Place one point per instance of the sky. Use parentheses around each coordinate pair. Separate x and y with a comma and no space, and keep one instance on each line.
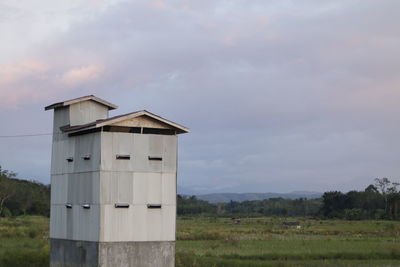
(279,95)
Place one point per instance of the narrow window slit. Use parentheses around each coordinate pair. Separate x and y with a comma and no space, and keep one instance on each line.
(68,206)
(121,129)
(154,206)
(70,159)
(86,206)
(127,157)
(86,157)
(155,158)
(121,205)
(158,131)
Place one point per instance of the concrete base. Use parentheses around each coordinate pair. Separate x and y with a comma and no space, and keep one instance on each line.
(69,253)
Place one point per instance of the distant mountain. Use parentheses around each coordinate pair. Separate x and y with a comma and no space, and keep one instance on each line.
(187,191)
(227,197)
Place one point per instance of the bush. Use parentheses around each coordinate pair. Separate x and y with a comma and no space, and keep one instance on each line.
(353,214)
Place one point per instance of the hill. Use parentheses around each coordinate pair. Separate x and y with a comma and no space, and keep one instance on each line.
(239,197)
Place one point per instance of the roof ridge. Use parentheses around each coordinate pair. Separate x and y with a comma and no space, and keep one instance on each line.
(103,122)
(81,99)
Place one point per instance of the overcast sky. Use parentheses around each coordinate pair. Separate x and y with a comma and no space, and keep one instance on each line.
(279,95)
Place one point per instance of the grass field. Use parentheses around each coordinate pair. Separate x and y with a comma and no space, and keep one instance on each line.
(253,242)
(24,241)
(267,242)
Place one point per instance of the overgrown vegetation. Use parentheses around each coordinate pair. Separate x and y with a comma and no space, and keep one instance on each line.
(21,197)
(24,241)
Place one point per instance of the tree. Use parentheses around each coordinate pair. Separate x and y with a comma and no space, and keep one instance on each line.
(7,187)
(390,194)
(383,186)
(334,203)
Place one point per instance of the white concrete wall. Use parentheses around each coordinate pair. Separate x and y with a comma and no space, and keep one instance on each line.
(75,183)
(61,150)
(76,147)
(60,118)
(58,220)
(76,223)
(138,182)
(87,111)
(83,188)
(137,223)
(104,181)
(139,147)
(116,187)
(86,223)
(113,144)
(59,189)
(87,144)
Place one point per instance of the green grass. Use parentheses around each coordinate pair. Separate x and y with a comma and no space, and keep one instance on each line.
(254,242)
(24,241)
(266,242)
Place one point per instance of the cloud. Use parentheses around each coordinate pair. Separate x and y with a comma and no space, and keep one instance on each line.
(34,81)
(16,80)
(280,95)
(158,4)
(81,75)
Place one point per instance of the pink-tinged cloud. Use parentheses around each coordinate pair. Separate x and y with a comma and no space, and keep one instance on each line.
(17,81)
(78,76)
(36,80)
(158,4)
(14,72)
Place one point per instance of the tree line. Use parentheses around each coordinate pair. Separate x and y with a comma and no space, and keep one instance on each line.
(255,208)
(378,201)
(22,197)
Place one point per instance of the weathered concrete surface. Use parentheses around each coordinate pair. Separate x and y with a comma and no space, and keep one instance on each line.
(143,254)
(68,253)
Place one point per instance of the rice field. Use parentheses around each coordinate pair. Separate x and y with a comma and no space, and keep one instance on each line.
(269,242)
(224,242)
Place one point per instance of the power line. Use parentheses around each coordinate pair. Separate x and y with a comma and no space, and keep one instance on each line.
(24,135)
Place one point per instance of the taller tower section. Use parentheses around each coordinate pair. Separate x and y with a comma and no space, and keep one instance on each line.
(113,186)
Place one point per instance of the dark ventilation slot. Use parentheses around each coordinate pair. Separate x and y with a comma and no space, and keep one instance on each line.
(86,157)
(121,205)
(126,157)
(70,159)
(121,129)
(68,206)
(155,158)
(154,206)
(158,131)
(86,206)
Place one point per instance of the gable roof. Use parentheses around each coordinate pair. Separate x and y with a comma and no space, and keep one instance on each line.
(120,118)
(81,99)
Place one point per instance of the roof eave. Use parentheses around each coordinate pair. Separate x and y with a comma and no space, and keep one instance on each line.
(180,128)
(79,130)
(81,99)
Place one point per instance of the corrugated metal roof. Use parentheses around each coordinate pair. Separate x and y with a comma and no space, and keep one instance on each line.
(123,117)
(81,99)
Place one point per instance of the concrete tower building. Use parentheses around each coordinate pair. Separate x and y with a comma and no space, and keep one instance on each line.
(113,186)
